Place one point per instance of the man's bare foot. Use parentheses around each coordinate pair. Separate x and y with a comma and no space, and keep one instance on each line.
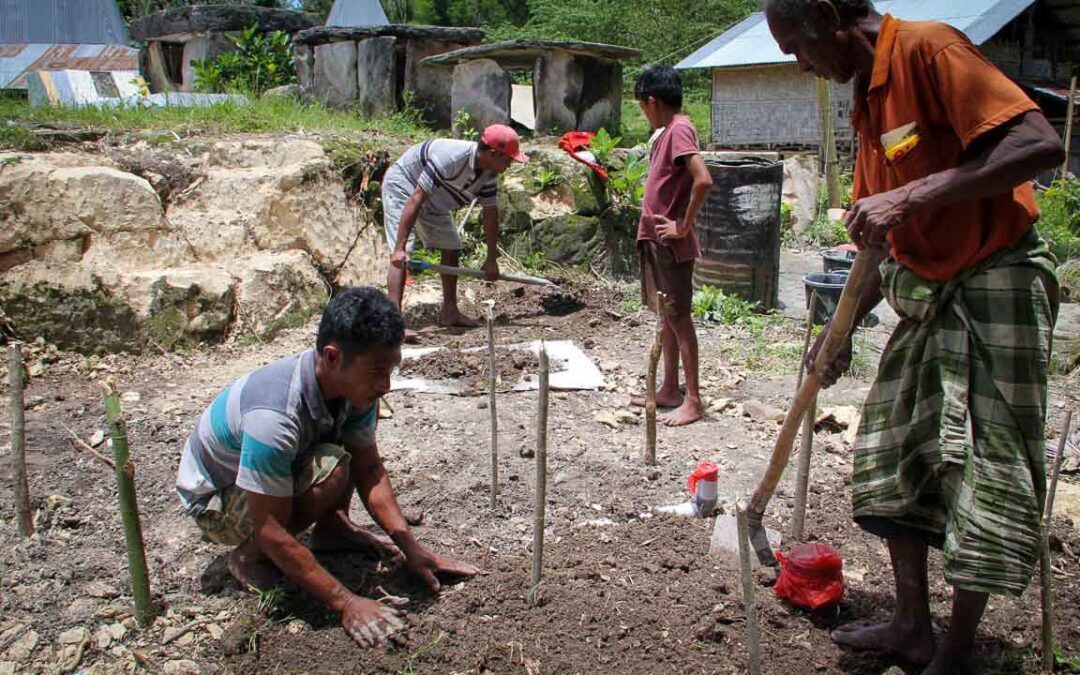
(453,318)
(947,663)
(664,399)
(332,536)
(250,567)
(689,412)
(411,337)
(911,645)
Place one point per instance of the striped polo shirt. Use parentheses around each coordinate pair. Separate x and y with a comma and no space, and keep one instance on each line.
(257,431)
(445,169)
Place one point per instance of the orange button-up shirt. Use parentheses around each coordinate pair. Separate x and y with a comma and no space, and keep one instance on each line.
(931,75)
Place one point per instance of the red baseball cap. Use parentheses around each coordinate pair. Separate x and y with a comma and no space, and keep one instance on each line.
(503,139)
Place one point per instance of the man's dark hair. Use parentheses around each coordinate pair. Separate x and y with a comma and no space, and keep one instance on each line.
(662,83)
(358,319)
(797,11)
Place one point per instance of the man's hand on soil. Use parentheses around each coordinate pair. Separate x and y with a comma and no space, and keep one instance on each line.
(666,228)
(399,258)
(369,622)
(427,564)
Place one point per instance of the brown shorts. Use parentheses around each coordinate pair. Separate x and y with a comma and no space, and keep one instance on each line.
(661,272)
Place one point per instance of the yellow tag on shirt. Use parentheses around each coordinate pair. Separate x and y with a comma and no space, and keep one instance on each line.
(900,141)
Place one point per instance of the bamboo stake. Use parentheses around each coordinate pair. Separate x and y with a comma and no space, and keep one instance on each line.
(1045,575)
(492,373)
(129,506)
(541,469)
(650,381)
(1068,127)
(752,638)
(828,142)
(806,446)
(18,442)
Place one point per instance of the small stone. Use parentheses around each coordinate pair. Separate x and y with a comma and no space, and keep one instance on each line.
(101,589)
(74,636)
(106,635)
(414,517)
(22,648)
(81,609)
(527,451)
(482,405)
(607,418)
(34,401)
(181,667)
(185,639)
(609,366)
(35,369)
(7,667)
(653,474)
(759,412)
(766,576)
(173,633)
(97,438)
(296,626)
(215,630)
(719,405)
(131,397)
(626,417)
(54,502)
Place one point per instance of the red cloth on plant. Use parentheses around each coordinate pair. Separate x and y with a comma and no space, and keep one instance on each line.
(575,144)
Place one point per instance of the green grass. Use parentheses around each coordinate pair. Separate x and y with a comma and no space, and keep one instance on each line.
(259,115)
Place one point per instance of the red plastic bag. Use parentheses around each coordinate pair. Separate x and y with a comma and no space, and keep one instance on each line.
(811,576)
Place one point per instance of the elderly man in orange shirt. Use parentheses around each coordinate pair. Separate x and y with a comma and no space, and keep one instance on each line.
(950,446)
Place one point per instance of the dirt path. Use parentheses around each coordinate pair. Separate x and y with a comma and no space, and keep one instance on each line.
(620,592)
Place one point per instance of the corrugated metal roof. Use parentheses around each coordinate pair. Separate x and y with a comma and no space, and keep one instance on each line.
(750,43)
(18,60)
(357,13)
(61,22)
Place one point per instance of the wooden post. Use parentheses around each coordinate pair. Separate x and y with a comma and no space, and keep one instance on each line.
(806,446)
(745,572)
(1068,126)
(541,469)
(828,144)
(1045,573)
(129,506)
(650,381)
(18,442)
(492,374)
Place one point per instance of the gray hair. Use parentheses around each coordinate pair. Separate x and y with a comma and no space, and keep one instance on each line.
(795,11)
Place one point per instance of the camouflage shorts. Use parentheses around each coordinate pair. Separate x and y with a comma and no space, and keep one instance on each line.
(226,520)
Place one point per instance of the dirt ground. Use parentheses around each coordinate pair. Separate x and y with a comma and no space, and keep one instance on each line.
(621,592)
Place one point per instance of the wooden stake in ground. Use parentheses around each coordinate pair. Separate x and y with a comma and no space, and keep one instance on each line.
(1068,127)
(650,381)
(541,469)
(18,442)
(492,374)
(828,143)
(806,446)
(129,506)
(746,573)
(1045,573)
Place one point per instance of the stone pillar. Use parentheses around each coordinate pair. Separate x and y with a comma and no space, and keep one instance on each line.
(201,47)
(430,86)
(303,59)
(334,74)
(376,73)
(155,69)
(557,84)
(482,89)
(601,95)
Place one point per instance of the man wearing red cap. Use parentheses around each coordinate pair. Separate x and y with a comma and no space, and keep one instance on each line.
(425,185)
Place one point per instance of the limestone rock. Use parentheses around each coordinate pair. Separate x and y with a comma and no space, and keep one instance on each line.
(376,73)
(482,89)
(101,589)
(607,418)
(284,91)
(205,18)
(181,667)
(181,305)
(278,290)
(23,647)
(760,412)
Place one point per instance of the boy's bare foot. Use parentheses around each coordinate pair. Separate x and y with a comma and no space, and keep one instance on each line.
(451,318)
(911,645)
(689,412)
(251,568)
(333,536)
(664,399)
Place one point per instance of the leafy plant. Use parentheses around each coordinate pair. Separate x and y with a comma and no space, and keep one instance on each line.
(463,122)
(1065,663)
(260,61)
(713,304)
(602,144)
(534,262)
(1060,220)
(627,185)
(547,177)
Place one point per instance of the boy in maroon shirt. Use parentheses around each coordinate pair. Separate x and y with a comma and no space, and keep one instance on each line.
(676,188)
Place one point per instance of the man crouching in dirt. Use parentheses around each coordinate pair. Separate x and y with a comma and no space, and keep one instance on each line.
(950,446)
(283,447)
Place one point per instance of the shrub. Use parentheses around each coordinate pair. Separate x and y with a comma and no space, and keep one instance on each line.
(1060,219)
(261,61)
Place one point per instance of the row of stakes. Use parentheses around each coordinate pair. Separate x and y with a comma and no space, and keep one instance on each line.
(124,470)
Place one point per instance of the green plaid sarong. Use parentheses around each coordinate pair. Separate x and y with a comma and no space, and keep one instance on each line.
(950,444)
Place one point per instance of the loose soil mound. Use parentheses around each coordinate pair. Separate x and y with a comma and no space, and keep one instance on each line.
(472,367)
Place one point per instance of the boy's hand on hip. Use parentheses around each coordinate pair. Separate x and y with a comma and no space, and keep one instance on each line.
(666,228)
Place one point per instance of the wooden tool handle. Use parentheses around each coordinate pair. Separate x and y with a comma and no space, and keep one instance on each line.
(841,326)
(481,274)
